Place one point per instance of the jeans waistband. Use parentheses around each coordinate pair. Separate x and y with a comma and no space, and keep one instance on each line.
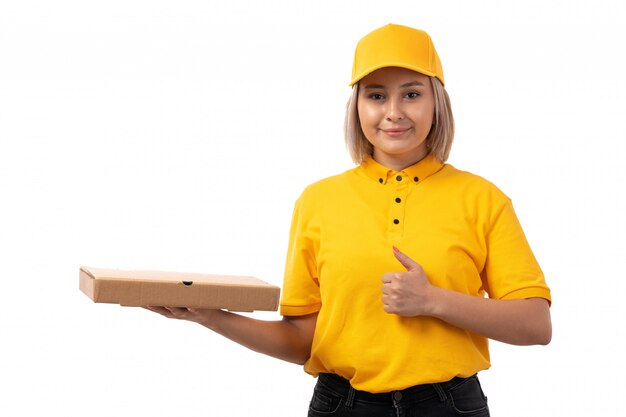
(415,393)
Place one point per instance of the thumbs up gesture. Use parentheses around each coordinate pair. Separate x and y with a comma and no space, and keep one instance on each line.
(407,293)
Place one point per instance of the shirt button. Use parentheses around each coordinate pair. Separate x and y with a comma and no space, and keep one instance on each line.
(399,178)
(416,179)
(396,221)
(380,180)
(397,395)
(398,199)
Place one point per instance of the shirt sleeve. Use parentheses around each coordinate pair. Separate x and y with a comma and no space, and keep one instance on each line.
(301,291)
(511,270)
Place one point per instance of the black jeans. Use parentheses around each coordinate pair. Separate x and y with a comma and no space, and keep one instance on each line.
(333,396)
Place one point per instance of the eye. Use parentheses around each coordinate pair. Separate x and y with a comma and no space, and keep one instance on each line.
(413,94)
(376,96)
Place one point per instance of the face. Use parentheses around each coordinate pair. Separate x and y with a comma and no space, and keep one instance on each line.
(396,109)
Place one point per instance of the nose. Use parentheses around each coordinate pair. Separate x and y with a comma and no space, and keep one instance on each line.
(394,111)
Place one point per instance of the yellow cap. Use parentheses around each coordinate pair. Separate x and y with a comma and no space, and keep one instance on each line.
(396,46)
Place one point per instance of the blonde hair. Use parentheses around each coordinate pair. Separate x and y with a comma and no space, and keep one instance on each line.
(438,141)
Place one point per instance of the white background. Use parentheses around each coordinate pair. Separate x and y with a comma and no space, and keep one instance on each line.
(176,135)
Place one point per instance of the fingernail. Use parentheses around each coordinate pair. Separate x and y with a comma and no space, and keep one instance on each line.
(396,250)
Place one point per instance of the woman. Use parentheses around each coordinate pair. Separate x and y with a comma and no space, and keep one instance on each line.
(398,331)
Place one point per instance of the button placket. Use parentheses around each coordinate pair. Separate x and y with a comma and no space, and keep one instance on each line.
(400,190)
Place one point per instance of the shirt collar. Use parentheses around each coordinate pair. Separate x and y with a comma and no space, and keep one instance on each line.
(423,169)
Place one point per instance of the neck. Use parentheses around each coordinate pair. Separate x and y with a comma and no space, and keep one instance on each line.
(398,163)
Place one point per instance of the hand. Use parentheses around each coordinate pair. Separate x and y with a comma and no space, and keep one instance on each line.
(407,294)
(196,315)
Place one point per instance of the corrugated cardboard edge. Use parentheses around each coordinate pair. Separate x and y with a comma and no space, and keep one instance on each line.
(131,292)
(87,283)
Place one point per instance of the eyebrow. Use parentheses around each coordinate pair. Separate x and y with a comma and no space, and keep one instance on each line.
(409,84)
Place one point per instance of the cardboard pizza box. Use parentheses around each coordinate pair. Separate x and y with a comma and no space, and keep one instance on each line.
(178,289)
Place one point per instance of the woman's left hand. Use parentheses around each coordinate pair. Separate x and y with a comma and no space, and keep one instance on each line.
(408,293)
(516,321)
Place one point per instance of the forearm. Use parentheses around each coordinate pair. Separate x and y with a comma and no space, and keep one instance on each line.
(289,339)
(517,322)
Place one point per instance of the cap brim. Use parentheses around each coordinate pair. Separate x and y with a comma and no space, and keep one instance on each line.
(365,73)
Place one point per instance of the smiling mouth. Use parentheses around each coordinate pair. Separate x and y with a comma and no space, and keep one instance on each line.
(395,132)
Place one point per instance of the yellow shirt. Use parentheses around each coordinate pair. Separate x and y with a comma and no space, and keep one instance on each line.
(458,226)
